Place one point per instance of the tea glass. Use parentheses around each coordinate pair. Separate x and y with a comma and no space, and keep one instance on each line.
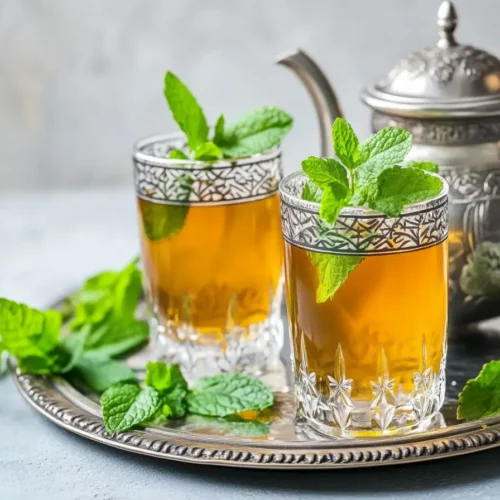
(370,360)
(212,256)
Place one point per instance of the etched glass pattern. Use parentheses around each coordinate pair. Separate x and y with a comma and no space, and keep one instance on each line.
(369,357)
(212,254)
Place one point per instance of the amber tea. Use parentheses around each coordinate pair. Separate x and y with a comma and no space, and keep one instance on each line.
(369,355)
(212,253)
(383,328)
(222,270)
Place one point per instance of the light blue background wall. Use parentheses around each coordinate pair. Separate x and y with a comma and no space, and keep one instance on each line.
(81,80)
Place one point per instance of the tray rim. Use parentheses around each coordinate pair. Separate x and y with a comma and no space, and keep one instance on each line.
(47,397)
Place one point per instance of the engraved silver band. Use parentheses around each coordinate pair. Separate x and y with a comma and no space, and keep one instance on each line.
(160,179)
(360,231)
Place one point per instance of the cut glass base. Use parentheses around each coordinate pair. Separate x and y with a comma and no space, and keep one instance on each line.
(327,404)
(253,349)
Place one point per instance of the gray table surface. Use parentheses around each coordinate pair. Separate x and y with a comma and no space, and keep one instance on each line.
(49,243)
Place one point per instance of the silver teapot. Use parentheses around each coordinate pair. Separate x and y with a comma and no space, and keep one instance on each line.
(448,97)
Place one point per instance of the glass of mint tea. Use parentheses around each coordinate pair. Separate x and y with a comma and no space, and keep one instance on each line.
(367,309)
(212,254)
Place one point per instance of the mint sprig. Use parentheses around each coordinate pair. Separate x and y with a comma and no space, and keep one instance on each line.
(480,397)
(126,405)
(333,271)
(223,395)
(253,133)
(367,174)
(167,391)
(103,327)
(186,111)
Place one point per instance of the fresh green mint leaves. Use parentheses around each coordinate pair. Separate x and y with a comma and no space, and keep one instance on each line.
(186,111)
(401,186)
(365,174)
(172,387)
(104,330)
(480,396)
(333,271)
(126,405)
(165,395)
(32,337)
(223,395)
(481,275)
(108,295)
(103,327)
(254,133)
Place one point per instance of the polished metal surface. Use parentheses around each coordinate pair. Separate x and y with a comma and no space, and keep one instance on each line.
(448,97)
(449,80)
(319,88)
(278,442)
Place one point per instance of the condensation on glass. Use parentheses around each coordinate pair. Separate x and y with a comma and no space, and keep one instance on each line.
(212,254)
(370,360)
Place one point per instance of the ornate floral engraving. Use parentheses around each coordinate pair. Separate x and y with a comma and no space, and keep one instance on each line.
(370,234)
(442,132)
(443,66)
(472,182)
(161,180)
(74,416)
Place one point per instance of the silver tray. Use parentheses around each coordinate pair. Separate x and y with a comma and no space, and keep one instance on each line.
(288,444)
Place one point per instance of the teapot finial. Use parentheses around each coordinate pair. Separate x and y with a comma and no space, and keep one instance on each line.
(447,22)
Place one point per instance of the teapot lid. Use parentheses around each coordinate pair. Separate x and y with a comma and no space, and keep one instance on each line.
(446,81)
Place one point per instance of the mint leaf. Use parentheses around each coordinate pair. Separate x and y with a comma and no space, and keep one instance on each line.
(74,346)
(380,151)
(325,171)
(333,271)
(207,151)
(108,294)
(387,147)
(255,132)
(481,275)
(28,332)
(172,386)
(127,405)
(424,165)
(400,186)
(164,221)
(219,131)
(115,338)
(162,376)
(311,192)
(346,143)
(178,154)
(99,372)
(186,111)
(335,197)
(227,394)
(175,401)
(480,398)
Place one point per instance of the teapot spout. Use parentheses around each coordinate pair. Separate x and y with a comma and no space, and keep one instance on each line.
(321,92)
